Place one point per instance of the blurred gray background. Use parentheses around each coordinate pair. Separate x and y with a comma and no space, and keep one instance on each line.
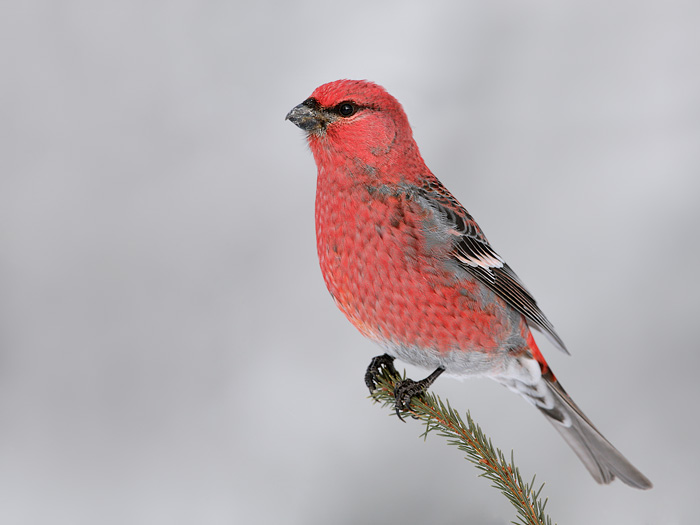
(168,351)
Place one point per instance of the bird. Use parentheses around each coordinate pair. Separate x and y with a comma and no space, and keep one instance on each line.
(412,270)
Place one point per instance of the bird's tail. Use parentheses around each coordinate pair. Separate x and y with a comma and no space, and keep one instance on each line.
(602,460)
(531,377)
(541,388)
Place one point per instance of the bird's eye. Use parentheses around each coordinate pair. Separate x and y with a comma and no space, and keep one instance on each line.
(346,109)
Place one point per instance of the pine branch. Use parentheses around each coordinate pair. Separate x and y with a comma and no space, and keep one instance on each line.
(440,417)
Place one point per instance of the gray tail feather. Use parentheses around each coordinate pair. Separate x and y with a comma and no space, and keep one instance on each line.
(602,460)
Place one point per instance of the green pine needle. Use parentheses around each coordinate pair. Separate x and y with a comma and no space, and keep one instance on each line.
(441,418)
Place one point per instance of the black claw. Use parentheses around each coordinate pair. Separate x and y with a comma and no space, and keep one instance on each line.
(375,367)
(407,389)
(404,391)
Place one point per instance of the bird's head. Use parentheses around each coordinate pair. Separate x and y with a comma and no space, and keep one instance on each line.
(354,119)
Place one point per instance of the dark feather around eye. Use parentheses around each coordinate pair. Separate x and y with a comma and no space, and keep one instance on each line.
(346,109)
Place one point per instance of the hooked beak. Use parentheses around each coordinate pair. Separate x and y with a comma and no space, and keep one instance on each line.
(308,116)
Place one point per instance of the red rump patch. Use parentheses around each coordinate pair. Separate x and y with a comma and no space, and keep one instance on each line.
(546,371)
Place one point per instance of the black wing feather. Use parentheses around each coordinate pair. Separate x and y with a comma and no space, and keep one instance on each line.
(474,253)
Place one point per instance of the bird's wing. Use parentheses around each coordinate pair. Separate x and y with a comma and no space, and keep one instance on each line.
(474,253)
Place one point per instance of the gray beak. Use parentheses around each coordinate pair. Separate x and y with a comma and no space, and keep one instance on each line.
(307,116)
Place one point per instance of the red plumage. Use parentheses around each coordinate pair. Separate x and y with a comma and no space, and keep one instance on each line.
(412,270)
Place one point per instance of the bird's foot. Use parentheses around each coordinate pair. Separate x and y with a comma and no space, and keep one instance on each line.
(408,388)
(375,367)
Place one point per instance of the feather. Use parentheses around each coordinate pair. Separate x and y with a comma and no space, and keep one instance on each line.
(473,252)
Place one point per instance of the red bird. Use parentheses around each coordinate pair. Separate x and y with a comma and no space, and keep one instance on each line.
(412,270)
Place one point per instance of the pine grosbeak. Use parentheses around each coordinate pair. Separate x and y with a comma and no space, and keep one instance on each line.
(412,270)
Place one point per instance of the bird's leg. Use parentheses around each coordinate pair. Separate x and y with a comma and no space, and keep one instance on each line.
(375,367)
(408,388)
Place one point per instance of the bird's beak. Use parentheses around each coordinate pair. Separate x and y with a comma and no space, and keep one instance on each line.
(308,116)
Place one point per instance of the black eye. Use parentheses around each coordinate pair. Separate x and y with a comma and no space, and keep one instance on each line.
(346,109)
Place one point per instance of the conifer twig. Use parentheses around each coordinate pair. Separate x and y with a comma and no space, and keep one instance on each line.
(440,417)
